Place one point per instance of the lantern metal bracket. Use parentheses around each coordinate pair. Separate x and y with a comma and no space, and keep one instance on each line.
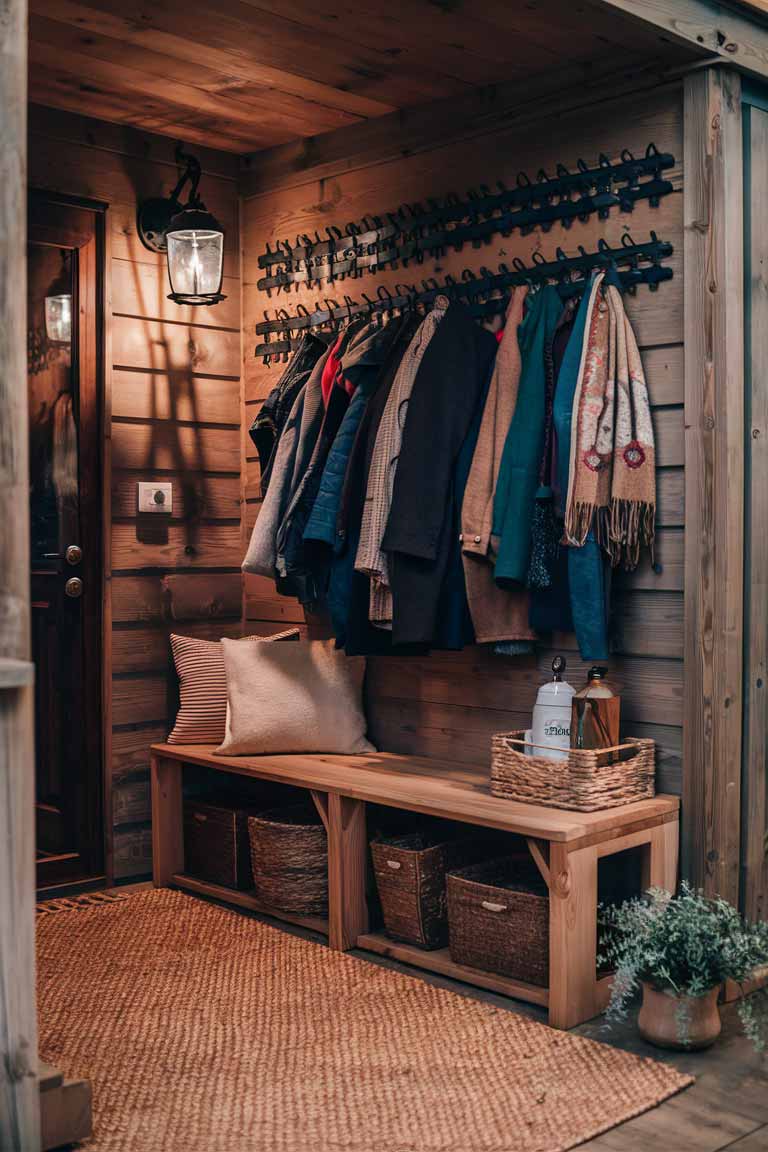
(154,215)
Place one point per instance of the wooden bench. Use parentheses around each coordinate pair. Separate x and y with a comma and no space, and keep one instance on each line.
(566,847)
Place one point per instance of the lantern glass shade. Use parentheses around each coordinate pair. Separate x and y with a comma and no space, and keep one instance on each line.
(195,262)
(58,318)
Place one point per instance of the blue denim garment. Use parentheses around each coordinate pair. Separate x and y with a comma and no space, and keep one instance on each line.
(587,582)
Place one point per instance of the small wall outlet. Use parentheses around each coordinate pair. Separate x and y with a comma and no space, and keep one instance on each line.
(156,498)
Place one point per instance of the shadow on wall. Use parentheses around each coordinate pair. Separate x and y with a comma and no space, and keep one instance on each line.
(172,361)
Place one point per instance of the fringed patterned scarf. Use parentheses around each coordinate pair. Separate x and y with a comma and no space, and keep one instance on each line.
(612,476)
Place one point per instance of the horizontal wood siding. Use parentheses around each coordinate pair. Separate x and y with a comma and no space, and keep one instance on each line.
(450,704)
(176,405)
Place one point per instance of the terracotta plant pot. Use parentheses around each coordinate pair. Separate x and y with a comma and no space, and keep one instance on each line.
(682,1022)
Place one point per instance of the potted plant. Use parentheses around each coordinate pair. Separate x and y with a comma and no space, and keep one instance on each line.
(679,950)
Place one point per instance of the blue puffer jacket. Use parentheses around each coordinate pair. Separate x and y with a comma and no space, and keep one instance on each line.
(321,525)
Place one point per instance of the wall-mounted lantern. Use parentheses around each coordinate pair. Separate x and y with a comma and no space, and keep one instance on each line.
(58,306)
(191,237)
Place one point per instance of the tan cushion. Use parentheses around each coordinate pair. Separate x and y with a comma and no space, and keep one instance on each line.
(293,698)
(203,687)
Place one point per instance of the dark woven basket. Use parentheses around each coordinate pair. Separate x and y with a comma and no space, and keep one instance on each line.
(289,857)
(410,878)
(498,919)
(216,841)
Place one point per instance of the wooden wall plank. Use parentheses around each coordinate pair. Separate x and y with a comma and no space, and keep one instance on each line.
(149,649)
(179,349)
(177,546)
(130,750)
(755,784)
(714,494)
(180,597)
(174,447)
(162,396)
(651,689)
(139,700)
(133,851)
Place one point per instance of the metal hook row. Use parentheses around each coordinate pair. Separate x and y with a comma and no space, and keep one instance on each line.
(415,231)
(483,292)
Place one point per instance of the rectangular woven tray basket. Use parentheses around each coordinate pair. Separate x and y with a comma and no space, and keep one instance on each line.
(590,779)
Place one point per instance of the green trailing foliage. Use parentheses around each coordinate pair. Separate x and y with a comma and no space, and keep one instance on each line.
(684,945)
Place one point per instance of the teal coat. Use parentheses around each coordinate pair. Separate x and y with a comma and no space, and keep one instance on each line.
(519,471)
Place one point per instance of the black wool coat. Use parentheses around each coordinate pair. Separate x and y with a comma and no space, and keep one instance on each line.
(421,526)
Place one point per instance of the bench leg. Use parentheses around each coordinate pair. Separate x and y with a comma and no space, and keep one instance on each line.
(167,821)
(573,992)
(660,857)
(347,868)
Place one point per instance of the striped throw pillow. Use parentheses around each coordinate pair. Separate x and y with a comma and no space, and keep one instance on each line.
(202,717)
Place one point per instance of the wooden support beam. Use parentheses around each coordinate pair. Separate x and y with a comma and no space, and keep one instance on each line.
(167,821)
(573,993)
(714,480)
(755,781)
(19,1095)
(735,37)
(347,871)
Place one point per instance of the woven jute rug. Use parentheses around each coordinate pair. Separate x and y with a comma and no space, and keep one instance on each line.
(203,1030)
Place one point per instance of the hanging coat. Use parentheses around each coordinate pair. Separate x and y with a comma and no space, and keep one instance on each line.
(497,613)
(292,455)
(266,429)
(422,517)
(348,590)
(518,475)
(587,577)
(362,367)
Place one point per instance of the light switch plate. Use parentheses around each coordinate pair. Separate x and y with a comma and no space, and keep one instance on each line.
(156,498)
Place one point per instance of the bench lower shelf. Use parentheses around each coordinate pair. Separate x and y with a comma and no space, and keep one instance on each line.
(439,960)
(246,900)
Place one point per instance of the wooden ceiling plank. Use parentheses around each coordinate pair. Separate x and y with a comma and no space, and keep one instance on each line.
(301,116)
(736,38)
(110,19)
(456,43)
(71,94)
(234,26)
(111,75)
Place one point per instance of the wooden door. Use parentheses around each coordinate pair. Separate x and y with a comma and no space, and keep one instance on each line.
(64,325)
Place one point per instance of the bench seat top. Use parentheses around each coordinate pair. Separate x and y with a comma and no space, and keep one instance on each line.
(435,787)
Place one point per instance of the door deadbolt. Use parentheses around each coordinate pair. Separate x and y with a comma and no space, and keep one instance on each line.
(74,587)
(73,554)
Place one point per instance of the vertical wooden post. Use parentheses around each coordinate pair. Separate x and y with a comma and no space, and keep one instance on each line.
(347,865)
(19,1095)
(660,857)
(714,480)
(755,776)
(167,821)
(573,995)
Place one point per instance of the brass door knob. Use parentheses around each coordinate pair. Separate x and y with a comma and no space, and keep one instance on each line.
(74,587)
(73,554)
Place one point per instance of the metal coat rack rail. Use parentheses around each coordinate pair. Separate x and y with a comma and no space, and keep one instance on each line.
(484,292)
(416,232)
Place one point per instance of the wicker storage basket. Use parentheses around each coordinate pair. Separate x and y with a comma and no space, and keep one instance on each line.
(216,842)
(289,857)
(410,878)
(498,919)
(590,779)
